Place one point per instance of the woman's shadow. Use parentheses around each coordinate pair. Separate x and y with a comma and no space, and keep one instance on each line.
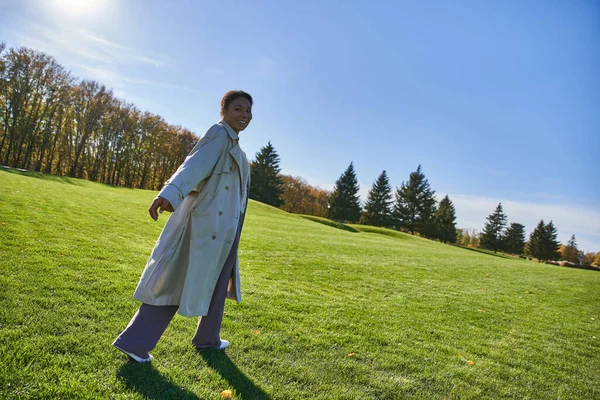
(150,383)
(219,361)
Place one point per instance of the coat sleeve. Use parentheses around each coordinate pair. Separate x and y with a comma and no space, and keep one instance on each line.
(196,167)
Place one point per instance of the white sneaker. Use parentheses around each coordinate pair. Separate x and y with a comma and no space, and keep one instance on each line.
(134,357)
(222,345)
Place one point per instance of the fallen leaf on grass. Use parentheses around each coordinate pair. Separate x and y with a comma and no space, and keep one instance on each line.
(351,355)
(593,319)
(526,292)
(471,362)
(256,332)
(227,394)
(481,310)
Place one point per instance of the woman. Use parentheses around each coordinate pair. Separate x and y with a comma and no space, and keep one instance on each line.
(194,265)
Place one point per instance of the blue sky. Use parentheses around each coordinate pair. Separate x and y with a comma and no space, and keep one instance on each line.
(498,101)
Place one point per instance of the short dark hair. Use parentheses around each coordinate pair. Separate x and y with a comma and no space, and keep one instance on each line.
(231,96)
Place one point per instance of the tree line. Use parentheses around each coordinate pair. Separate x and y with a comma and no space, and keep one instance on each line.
(496,236)
(412,208)
(52,122)
(541,245)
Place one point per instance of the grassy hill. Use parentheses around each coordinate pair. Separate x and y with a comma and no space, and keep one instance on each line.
(326,313)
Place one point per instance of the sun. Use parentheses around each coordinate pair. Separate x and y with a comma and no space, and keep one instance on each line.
(80,7)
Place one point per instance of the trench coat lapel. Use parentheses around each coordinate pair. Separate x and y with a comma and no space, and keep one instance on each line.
(235,151)
(237,156)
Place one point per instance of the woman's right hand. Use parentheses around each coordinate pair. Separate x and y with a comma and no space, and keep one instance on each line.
(159,204)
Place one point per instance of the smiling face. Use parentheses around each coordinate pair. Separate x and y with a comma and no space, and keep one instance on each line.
(238,114)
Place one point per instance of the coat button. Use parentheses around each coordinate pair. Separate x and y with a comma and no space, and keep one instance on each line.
(220,212)
(226,187)
(213,237)
(231,168)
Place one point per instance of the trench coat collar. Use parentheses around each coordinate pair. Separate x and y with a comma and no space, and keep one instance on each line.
(235,151)
(229,129)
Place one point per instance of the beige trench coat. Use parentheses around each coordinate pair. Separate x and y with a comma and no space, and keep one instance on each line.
(208,192)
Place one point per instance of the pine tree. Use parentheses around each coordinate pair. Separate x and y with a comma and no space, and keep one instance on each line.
(445,220)
(378,205)
(344,204)
(570,252)
(415,205)
(542,242)
(535,247)
(492,236)
(515,238)
(266,185)
(551,245)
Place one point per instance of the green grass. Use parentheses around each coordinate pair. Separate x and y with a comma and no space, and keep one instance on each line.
(413,312)
(489,252)
(384,231)
(328,222)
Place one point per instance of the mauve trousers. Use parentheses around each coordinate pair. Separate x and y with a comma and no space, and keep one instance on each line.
(149,322)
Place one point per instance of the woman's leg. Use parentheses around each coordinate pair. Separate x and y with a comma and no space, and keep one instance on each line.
(145,329)
(209,325)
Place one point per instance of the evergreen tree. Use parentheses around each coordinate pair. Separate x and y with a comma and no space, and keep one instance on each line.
(551,245)
(344,204)
(570,252)
(514,239)
(535,247)
(492,236)
(445,220)
(542,242)
(378,205)
(266,185)
(415,205)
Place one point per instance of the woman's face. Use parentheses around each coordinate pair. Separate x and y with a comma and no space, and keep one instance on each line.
(239,114)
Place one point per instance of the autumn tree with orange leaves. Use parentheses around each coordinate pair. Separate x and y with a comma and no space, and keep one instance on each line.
(53,123)
(301,198)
